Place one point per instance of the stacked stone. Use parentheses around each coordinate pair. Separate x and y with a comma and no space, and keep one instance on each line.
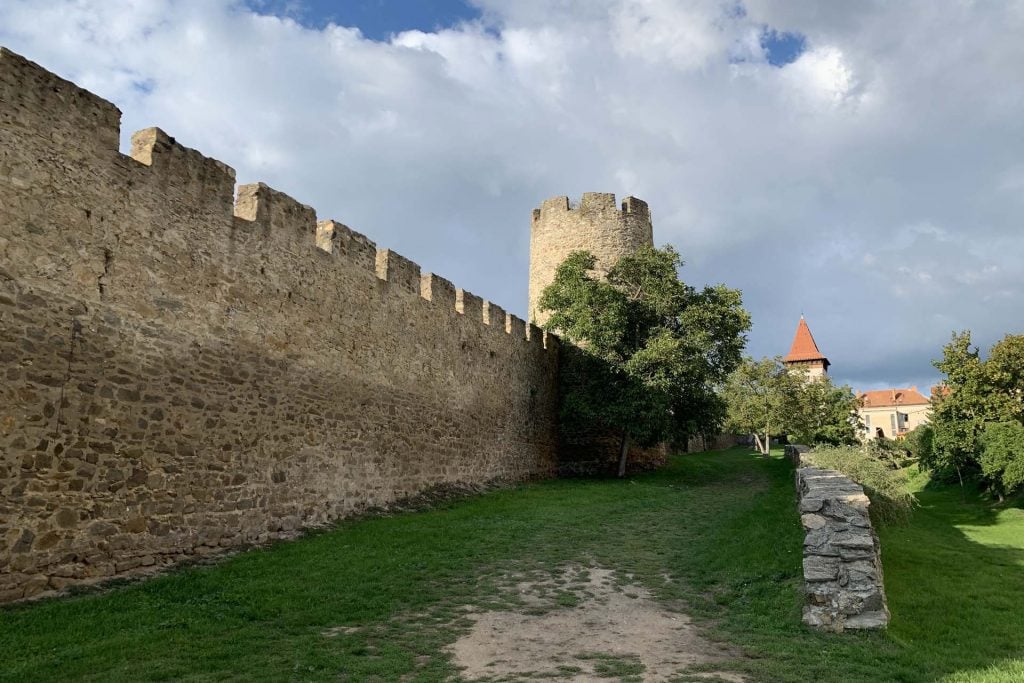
(842,556)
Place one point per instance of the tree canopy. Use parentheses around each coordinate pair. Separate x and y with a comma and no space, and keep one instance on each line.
(764,397)
(978,413)
(649,349)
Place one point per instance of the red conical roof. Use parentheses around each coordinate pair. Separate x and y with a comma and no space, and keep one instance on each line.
(804,348)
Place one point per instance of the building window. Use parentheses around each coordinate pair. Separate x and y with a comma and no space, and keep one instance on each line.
(892,423)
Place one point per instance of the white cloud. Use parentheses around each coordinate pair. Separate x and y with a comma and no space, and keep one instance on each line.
(873,183)
(822,76)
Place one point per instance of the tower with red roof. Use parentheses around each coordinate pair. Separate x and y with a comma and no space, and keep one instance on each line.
(804,354)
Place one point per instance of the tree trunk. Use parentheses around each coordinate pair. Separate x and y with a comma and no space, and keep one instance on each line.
(757,443)
(767,440)
(623,451)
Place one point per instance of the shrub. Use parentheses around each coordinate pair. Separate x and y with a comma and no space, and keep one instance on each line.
(891,503)
(919,442)
(895,454)
(1002,456)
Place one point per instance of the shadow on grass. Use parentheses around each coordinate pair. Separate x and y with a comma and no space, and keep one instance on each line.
(955,582)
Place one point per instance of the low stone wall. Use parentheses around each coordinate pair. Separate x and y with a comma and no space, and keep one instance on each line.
(711,442)
(842,556)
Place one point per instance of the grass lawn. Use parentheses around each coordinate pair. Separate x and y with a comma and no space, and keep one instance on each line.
(379,599)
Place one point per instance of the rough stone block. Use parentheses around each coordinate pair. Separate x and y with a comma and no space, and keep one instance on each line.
(820,568)
(812,522)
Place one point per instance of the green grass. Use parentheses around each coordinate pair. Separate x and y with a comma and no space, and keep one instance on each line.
(379,599)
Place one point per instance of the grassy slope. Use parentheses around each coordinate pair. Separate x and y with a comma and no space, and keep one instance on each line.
(724,525)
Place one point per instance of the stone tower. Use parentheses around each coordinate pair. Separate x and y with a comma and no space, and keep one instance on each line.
(804,354)
(597,225)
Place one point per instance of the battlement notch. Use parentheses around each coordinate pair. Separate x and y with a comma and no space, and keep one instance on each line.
(469,304)
(275,213)
(212,181)
(341,240)
(394,268)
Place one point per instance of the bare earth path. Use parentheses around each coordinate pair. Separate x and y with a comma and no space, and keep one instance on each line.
(584,625)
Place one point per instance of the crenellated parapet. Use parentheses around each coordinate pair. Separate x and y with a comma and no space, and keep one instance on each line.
(596,224)
(79,122)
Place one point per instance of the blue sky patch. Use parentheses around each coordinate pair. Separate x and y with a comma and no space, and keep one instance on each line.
(377,19)
(782,47)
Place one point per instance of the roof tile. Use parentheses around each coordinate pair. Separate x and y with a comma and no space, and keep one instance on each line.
(803,347)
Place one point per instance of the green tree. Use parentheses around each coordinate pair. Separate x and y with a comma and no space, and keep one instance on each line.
(649,349)
(1004,372)
(959,410)
(920,442)
(765,397)
(1002,456)
(760,396)
(974,414)
(824,414)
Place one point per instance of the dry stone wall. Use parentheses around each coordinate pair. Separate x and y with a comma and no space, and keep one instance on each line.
(842,556)
(184,372)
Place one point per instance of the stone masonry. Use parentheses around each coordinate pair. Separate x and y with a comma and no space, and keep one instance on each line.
(596,225)
(842,556)
(184,371)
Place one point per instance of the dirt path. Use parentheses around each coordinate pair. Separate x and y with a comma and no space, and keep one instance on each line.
(583,625)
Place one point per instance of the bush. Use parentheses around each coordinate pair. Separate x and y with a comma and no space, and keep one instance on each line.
(919,442)
(891,503)
(1002,456)
(895,454)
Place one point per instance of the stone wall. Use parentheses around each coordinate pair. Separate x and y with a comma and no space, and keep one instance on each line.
(842,556)
(711,442)
(184,372)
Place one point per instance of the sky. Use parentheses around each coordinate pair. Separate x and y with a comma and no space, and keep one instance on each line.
(859,163)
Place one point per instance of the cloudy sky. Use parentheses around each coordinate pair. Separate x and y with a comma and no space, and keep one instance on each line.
(862,163)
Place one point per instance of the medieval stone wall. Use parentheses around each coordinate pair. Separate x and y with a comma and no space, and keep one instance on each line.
(842,556)
(183,372)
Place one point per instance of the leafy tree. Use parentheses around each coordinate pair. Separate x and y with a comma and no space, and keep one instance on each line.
(760,396)
(959,410)
(649,348)
(1004,372)
(1002,455)
(920,442)
(824,413)
(766,397)
(978,395)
